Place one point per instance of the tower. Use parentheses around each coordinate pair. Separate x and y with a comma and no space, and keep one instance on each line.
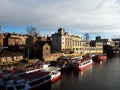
(98,38)
(61,31)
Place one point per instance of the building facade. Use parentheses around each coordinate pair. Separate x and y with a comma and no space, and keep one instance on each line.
(1,39)
(40,51)
(46,50)
(9,57)
(14,39)
(76,44)
(63,42)
(97,48)
(1,42)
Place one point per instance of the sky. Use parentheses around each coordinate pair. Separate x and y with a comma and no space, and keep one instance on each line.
(96,17)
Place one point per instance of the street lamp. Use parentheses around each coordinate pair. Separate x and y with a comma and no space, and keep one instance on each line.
(28,55)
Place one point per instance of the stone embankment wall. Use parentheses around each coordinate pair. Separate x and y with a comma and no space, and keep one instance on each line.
(54,57)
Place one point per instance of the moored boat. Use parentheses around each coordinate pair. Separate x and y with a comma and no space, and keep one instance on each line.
(55,73)
(64,64)
(99,58)
(26,81)
(30,77)
(82,64)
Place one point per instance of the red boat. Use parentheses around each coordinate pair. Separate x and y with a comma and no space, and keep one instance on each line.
(55,76)
(99,58)
(82,64)
(55,72)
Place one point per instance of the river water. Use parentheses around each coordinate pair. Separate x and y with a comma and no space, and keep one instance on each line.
(100,76)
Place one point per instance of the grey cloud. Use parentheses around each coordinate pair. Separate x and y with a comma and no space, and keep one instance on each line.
(78,15)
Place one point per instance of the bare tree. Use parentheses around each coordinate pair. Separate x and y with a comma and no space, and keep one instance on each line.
(31,30)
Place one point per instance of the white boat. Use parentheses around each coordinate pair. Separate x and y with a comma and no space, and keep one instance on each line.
(34,78)
(27,81)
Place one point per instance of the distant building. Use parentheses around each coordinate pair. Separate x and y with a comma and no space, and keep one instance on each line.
(105,41)
(2,39)
(98,38)
(41,50)
(99,47)
(12,39)
(95,48)
(63,42)
(108,42)
(111,42)
(9,57)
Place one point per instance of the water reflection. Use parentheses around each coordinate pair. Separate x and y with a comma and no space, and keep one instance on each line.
(100,76)
(81,73)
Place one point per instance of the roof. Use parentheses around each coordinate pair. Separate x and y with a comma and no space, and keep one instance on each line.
(6,53)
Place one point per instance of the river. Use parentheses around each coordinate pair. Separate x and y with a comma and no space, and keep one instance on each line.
(100,76)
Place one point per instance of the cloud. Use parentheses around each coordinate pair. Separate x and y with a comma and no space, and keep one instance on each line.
(75,15)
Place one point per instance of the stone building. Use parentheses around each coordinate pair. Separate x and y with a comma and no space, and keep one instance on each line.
(14,39)
(76,44)
(41,50)
(1,39)
(63,42)
(9,57)
(96,48)
(46,50)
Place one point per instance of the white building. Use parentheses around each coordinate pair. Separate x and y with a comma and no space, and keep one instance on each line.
(63,42)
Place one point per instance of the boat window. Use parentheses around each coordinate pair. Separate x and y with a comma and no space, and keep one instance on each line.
(20,87)
(86,62)
(10,88)
(54,73)
(47,78)
(60,64)
(36,82)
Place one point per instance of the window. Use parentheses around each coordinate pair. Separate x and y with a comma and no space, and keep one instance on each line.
(48,78)
(17,57)
(46,48)
(36,82)
(10,88)
(20,87)
(46,54)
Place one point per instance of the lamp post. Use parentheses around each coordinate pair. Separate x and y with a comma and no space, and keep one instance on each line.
(28,55)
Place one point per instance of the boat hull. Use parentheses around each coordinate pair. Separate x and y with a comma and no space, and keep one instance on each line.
(56,79)
(98,58)
(55,73)
(84,67)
